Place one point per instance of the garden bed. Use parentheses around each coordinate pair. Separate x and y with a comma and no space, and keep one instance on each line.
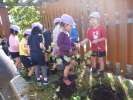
(85,86)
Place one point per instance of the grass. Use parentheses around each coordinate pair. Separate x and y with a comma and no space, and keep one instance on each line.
(86,87)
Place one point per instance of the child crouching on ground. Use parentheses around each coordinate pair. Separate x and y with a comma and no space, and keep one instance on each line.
(65,45)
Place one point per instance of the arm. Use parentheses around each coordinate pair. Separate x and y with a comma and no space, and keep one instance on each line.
(103,38)
(42,42)
(42,46)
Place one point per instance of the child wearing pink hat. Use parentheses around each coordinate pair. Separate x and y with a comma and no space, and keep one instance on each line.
(25,54)
(14,45)
(65,45)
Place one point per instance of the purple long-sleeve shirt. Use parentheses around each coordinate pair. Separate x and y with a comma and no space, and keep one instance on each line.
(64,44)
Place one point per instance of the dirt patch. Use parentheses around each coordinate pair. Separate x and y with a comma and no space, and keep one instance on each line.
(105,92)
(66,91)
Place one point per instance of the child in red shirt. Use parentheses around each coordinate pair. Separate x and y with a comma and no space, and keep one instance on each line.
(97,36)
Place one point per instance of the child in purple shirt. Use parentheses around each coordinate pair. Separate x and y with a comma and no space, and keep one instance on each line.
(65,45)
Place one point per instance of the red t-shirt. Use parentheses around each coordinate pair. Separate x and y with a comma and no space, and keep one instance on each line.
(93,34)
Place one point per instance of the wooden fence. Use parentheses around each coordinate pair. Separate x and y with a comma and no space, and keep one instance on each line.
(116,17)
(4,23)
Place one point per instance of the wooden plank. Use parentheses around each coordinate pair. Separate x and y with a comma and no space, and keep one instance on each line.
(112,35)
(129,37)
(5,21)
(79,10)
(85,21)
(61,8)
(123,34)
(100,9)
(1,31)
(91,5)
(132,40)
(46,17)
(50,18)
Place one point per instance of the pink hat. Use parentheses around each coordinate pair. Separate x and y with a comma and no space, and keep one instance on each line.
(56,20)
(36,24)
(15,27)
(27,31)
(67,19)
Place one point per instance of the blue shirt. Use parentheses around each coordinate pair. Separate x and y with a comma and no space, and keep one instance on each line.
(74,35)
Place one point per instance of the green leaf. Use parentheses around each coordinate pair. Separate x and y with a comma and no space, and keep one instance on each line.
(59,61)
(51,55)
(49,49)
(78,56)
(58,89)
(88,62)
(53,45)
(88,54)
(67,58)
(83,63)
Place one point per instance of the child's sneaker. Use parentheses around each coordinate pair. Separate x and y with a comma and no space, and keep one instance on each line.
(67,82)
(29,81)
(46,82)
(101,74)
(94,70)
(39,83)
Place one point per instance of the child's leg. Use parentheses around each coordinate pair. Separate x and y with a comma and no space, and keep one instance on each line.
(17,61)
(101,62)
(46,57)
(93,62)
(66,71)
(37,72)
(44,72)
(31,70)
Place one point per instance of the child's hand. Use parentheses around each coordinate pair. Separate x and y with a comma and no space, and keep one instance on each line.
(82,43)
(70,50)
(95,41)
(77,44)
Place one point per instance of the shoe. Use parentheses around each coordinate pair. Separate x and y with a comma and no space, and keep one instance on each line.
(101,74)
(39,83)
(67,82)
(29,81)
(46,82)
(20,70)
(94,70)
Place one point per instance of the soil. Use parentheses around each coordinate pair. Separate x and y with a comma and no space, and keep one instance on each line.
(105,92)
(66,91)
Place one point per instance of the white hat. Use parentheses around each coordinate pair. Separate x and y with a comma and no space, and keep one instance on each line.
(15,27)
(56,20)
(36,24)
(27,31)
(95,14)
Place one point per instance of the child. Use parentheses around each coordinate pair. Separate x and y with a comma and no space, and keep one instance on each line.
(48,40)
(14,46)
(37,49)
(97,35)
(56,32)
(24,54)
(5,46)
(65,45)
